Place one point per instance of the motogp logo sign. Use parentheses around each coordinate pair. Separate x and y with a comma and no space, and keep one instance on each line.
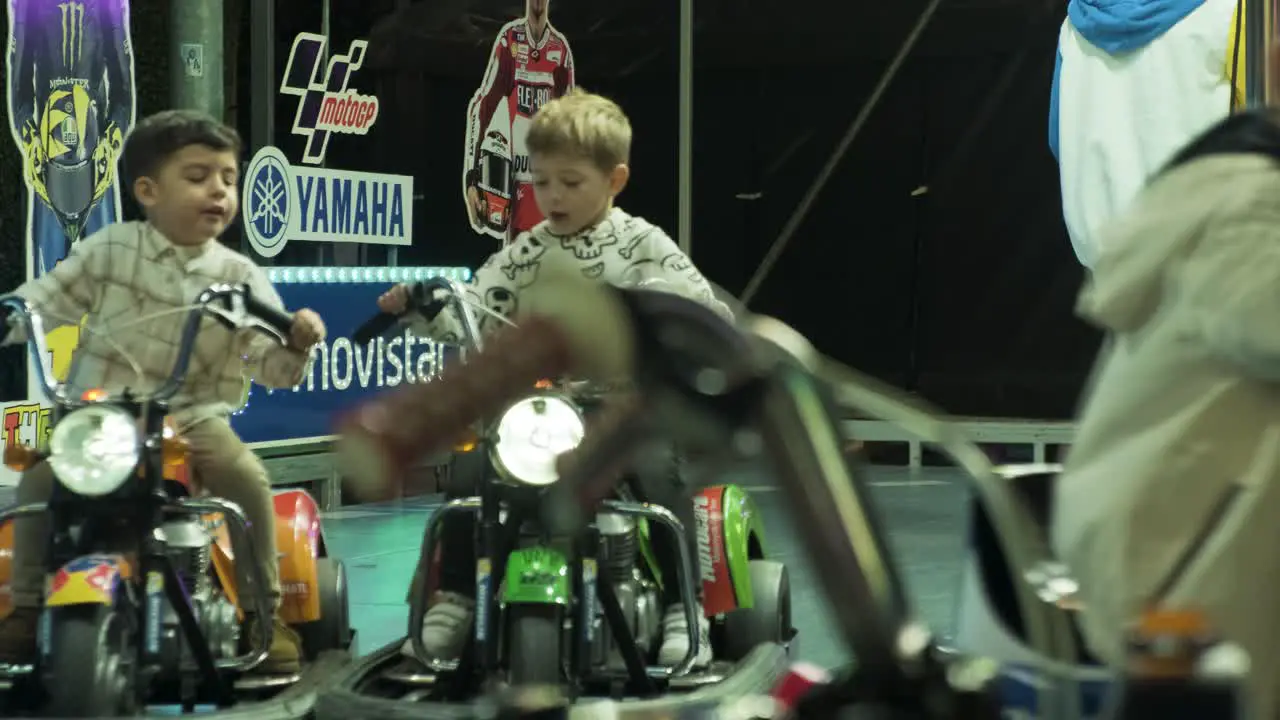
(327,102)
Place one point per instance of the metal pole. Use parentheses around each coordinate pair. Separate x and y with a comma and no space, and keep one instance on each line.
(393,252)
(1269,39)
(797,217)
(338,255)
(684,222)
(262,87)
(262,48)
(195,75)
(1257,49)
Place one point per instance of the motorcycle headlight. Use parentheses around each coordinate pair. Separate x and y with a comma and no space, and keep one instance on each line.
(532,433)
(93,450)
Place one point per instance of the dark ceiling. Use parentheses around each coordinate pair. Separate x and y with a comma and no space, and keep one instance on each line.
(623,35)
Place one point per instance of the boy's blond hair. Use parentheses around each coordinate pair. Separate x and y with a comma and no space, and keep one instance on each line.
(585,125)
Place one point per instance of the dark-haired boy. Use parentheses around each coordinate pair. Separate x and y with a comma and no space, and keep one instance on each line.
(182,167)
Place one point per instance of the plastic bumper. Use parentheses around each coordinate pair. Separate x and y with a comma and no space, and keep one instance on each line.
(758,673)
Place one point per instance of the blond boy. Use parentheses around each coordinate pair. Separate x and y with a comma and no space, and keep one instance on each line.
(579,146)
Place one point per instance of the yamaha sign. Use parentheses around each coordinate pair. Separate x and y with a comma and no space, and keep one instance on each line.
(283,202)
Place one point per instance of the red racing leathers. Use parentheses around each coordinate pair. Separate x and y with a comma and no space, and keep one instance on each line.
(527,75)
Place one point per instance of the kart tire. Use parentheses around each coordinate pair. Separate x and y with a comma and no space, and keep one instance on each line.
(534,636)
(769,620)
(332,630)
(89,646)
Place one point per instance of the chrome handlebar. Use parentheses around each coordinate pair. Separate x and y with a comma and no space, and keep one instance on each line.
(237,304)
(466,315)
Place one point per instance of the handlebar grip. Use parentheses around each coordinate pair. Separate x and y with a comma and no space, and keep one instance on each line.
(278,319)
(381,440)
(374,327)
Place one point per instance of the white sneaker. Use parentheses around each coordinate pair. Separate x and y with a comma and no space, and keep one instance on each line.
(675,638)
(445,627)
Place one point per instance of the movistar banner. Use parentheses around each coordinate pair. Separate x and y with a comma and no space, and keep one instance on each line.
(343,373)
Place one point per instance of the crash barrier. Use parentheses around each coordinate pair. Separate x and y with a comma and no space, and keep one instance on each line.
(1039,434)
(309,464)
(312,465)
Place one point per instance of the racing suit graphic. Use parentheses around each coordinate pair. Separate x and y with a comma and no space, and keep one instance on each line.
(522,75)
(71,103)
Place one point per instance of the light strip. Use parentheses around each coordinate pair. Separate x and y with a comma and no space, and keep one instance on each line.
(336,275)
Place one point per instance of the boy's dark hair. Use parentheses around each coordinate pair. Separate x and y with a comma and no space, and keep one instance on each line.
(156,139)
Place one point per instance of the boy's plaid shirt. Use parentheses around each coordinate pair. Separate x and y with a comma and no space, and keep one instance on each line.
(129,272)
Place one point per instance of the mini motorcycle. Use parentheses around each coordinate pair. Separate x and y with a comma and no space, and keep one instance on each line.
(583,609)
(142,604)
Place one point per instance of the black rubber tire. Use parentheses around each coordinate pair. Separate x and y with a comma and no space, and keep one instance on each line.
(534,650)
(769,620)
(82,679)
(332,631)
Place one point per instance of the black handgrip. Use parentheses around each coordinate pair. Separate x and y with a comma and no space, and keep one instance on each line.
(374,327)
(276,318)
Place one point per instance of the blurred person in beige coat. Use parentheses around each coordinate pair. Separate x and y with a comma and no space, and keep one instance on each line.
(1170,494)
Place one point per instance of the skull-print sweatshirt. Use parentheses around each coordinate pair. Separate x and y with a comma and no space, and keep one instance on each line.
(620,250)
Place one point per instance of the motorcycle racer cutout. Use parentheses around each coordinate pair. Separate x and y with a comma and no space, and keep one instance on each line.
(530,65)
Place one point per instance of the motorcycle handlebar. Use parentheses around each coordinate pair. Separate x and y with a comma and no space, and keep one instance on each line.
(15,306)
(374,327)
(421,295)
(236,298)
(277,319)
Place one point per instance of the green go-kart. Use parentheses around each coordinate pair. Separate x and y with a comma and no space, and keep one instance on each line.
(580,611)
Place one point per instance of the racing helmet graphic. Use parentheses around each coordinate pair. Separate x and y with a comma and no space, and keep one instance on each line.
(494,181)
(69,135)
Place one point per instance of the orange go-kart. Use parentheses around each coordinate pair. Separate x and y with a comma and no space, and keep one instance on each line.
(142,601)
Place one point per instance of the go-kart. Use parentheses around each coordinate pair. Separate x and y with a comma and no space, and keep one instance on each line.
(142,605)
(579,609)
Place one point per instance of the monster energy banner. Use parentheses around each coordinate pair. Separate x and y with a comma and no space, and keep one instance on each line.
(71,102)
(70,91)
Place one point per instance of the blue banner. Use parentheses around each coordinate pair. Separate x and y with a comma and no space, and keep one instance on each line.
(343,373)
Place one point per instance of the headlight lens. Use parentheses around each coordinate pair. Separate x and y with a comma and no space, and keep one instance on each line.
(532,433)
(93,450)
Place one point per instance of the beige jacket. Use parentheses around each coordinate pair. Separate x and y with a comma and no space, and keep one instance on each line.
(1171,492)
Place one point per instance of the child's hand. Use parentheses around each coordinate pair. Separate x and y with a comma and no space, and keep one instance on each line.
(308,329)
(395,300)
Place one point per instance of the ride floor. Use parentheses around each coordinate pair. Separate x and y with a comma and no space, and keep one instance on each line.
(925,513)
